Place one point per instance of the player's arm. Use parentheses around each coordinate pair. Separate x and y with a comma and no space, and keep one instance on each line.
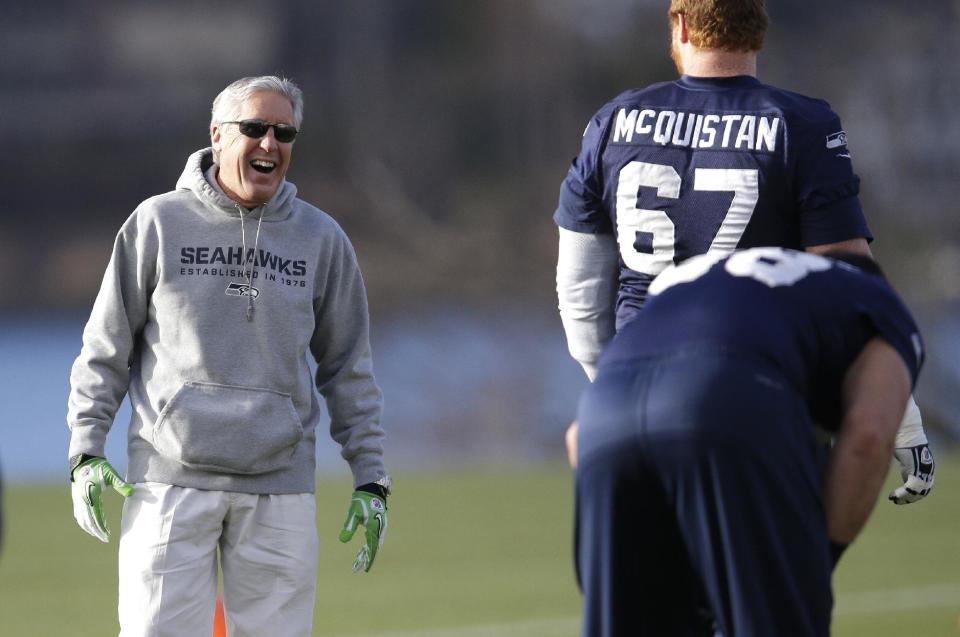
(912,450)
(570,441)
(586,290)
(857,246)
(586,293)
(588,258)
(875,392)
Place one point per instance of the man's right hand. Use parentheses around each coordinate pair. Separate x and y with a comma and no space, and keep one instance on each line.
(89,479)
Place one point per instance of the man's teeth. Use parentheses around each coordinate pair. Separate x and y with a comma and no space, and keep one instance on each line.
(263,165)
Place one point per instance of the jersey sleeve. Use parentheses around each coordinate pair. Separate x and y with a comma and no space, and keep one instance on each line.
(826,187)
(896,325)
(580,208)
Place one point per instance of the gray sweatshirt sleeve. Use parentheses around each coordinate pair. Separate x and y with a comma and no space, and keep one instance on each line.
(341,347)
(101,373)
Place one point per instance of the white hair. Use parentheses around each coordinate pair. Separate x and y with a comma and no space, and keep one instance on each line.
(227,105)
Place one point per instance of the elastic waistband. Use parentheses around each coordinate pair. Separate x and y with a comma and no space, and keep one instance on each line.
(699,351)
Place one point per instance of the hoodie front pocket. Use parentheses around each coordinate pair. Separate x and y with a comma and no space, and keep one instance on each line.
(228,428)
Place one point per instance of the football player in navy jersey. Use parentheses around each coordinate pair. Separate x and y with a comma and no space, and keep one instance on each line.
(714,161)
(697,460)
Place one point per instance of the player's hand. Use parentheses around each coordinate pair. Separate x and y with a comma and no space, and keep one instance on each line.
(916,469)
(89,479)
(370,511)
(571,439)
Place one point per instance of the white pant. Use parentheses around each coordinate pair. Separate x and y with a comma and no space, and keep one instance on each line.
(168,562)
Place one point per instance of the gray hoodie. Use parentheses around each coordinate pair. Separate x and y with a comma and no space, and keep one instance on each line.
(223,399)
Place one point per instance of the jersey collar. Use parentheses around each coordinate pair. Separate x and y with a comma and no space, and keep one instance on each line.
(713,83)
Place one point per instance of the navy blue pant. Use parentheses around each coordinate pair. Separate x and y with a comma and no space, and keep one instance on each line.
(699,486)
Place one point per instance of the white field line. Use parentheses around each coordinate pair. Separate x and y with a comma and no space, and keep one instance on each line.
(862,603)
(897,599)
(564,627)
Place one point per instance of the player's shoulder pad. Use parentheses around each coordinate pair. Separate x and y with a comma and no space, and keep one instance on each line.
(803,108)
(646,95)
(629,98)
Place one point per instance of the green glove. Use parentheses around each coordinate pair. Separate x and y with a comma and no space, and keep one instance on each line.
(88,480)
(370,511)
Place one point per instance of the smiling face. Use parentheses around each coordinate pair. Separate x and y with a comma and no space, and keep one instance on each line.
(251,170)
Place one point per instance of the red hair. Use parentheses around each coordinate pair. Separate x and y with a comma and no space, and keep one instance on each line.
(729,25)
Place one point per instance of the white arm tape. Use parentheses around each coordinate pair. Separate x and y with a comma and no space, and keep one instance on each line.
(586,290)
(911,431)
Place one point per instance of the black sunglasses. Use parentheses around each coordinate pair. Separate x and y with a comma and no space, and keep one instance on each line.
(255,128)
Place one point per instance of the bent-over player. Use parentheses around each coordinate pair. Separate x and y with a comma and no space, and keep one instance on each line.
(698,466)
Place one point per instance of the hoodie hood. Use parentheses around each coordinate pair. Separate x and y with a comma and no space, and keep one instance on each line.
(193,179)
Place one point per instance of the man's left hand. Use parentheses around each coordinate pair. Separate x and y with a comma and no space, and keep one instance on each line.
(370,511)
(916,469)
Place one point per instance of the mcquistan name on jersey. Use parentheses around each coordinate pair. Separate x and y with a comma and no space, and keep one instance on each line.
(729,131)
(203,255)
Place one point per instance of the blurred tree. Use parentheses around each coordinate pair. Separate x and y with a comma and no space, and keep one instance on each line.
(436,132)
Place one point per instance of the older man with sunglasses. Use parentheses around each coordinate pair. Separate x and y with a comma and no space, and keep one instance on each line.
(216,295)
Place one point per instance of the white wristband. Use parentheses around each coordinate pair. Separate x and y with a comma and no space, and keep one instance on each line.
(911,431)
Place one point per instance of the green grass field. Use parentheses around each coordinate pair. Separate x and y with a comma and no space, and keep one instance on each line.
(473,553)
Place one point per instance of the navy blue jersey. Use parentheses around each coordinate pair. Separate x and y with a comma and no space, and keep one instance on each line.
(709,164)
(808,315)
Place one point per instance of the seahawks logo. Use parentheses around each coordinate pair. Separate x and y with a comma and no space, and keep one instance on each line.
(241,289)
(836,140)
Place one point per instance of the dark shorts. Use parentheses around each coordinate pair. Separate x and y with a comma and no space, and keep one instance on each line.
(699,486)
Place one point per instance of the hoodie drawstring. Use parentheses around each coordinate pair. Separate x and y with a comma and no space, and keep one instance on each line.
(249,273)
